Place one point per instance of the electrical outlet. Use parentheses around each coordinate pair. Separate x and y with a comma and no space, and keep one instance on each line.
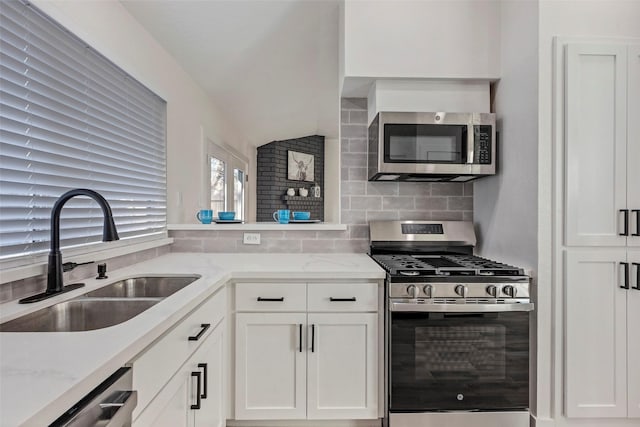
(251,238)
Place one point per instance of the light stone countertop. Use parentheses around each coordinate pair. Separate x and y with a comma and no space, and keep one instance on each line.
(43,374)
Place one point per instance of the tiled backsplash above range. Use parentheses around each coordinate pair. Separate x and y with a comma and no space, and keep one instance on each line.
(361,201)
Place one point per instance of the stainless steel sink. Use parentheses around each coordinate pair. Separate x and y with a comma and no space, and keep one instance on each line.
(81,314)
(144,287)
(113,304)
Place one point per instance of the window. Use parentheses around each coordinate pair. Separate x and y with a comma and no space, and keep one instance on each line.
(227,180)
(69,118)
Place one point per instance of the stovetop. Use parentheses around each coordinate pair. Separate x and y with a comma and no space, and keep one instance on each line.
(406,265)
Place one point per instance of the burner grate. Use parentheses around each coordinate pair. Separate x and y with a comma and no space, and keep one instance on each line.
(450,264)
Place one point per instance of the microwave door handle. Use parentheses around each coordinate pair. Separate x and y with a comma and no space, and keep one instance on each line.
(471,140)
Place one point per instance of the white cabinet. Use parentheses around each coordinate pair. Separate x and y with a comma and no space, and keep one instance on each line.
(633,335)
(194,395)
(596,334)
(598,187)
(602,230)
(167,373)
(342,368)
(270,366)
(320,363)
(633,146)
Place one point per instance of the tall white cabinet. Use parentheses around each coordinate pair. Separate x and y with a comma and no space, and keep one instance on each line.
(601,230)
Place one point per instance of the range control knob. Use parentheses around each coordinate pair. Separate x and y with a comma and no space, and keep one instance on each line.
(462,290)
(510,291)
(428,291)
(492,290)
(413,291)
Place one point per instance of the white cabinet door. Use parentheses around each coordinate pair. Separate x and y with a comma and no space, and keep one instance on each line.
(270,366)
(596,334)
(633,334)
(596,157)
(171,407)
(633,145)
(342,366)
(209,360)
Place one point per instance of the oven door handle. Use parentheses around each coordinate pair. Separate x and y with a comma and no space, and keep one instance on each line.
(458,308)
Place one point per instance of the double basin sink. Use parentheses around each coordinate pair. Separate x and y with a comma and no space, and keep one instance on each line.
(101,308)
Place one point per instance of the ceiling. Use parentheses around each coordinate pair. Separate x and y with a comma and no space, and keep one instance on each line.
(270,65)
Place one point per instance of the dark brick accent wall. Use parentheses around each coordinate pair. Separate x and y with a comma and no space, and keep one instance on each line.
(272,182)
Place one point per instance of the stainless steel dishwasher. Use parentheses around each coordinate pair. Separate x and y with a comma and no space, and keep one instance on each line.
(109,404)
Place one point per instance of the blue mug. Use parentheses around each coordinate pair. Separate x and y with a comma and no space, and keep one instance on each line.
(205,216)
(281,216)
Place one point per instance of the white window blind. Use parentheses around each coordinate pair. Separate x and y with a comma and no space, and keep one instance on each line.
(69,118)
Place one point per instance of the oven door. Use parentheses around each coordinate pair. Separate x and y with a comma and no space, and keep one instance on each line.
(458,357)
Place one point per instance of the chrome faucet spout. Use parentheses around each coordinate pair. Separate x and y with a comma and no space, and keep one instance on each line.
(54,269)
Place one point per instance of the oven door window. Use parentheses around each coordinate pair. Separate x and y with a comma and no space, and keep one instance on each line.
(449,362)
(411,143)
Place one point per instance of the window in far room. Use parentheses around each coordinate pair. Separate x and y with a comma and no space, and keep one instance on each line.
(227,178)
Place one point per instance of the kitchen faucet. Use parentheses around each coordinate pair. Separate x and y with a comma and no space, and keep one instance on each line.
(54,270)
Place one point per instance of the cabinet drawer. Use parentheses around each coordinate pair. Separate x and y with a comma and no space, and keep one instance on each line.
(343,297)
(271,297)
(153,369)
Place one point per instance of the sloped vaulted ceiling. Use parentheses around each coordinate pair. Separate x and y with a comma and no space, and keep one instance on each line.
(270,65)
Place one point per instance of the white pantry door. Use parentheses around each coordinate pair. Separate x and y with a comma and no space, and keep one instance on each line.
(595,334)
(595,144)
(633,145)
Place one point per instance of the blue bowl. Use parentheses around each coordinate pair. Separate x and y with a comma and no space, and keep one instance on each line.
(226,216)
(301,216)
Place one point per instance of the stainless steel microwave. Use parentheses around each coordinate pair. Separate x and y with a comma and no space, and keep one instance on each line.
(441,146)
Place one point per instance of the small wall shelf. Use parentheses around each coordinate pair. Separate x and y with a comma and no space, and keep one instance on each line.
(302,199)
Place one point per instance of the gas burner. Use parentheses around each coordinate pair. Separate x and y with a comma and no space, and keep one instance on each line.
(409,273)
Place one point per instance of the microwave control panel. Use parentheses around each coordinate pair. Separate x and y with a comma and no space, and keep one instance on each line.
(482,144)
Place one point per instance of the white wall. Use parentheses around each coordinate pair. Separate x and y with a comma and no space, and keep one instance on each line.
(420,39)
(606,19)
(108,27)
(505,205)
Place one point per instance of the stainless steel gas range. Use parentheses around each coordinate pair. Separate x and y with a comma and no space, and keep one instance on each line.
(456,328)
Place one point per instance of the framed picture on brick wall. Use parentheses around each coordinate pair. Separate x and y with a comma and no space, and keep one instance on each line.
(300,166)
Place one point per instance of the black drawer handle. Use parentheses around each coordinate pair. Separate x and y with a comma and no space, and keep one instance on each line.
(332,299)
(626,275)
(300,335)
(204,327)
(637,212)
(313,338)
(271,299)
(637,286)
(199,385)
(204,374)
(626,222)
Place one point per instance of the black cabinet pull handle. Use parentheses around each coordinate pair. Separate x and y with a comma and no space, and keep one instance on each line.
(637,212)
(204,327)
(332,299)
(198,385)
(626,275)
(313,338)
(271,299)
(637,286)
(626,222)
(300,336)
(204,374)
